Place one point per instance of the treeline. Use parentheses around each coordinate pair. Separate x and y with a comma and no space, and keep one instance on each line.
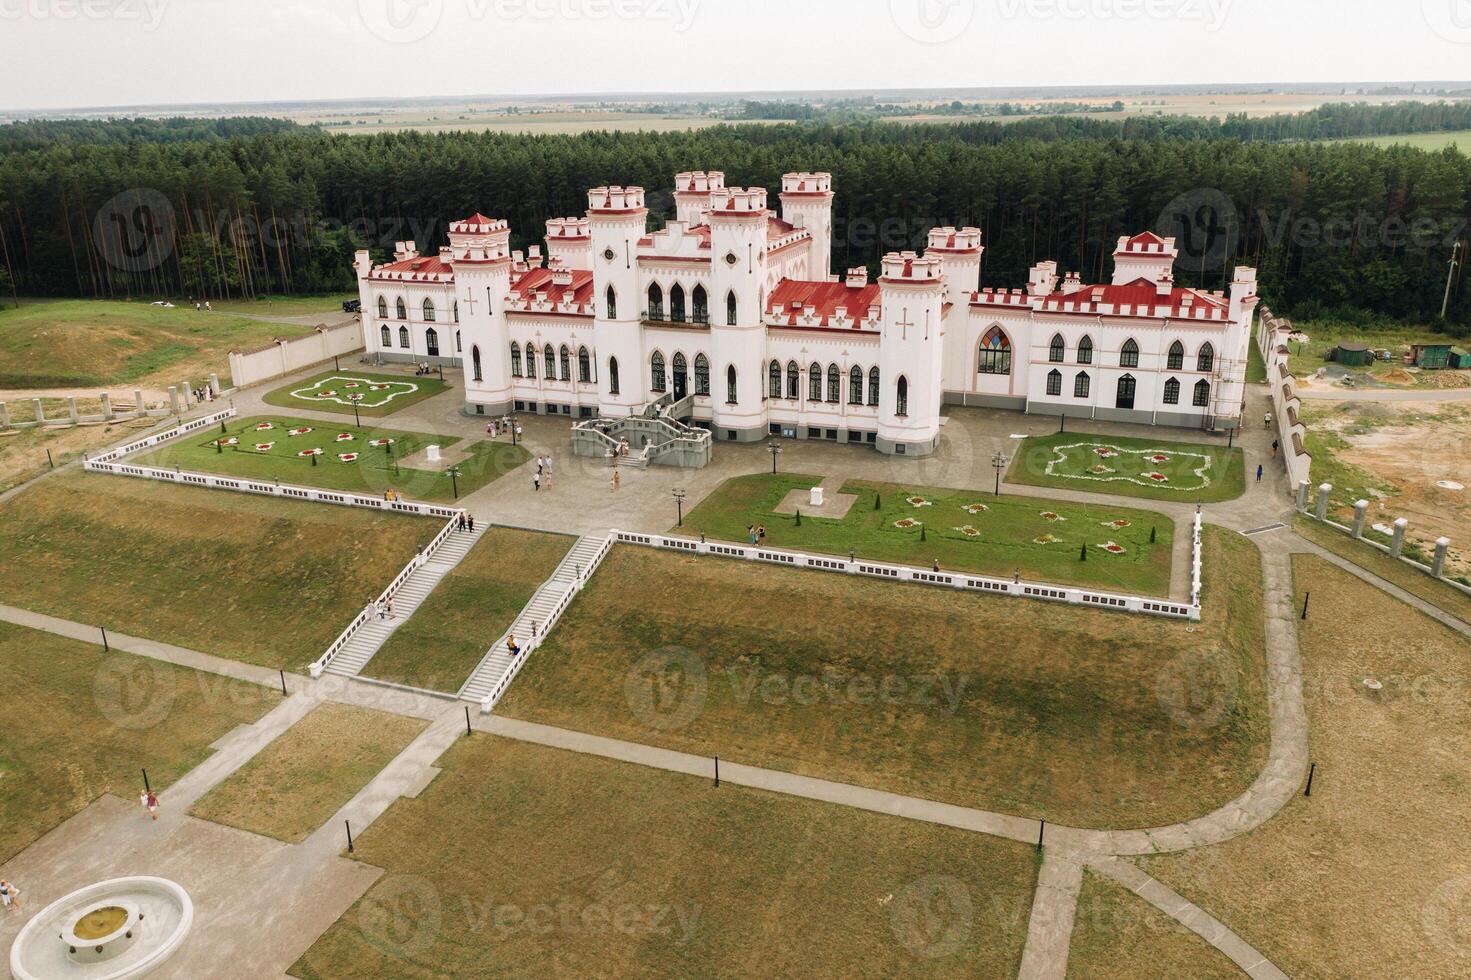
(43,133)
(1329,225)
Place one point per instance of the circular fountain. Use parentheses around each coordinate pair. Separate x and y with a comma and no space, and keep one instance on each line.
(113,930)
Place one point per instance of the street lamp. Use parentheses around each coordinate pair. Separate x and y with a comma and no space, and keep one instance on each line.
(454,480)
(679,498)
(511,421)
(775,450)
(356,419)
(999,461)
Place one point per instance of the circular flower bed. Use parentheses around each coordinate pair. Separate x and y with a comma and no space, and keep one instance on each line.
(348,457)
(918,501)
(968,531)
(1105,452)
(1046,539)
(1052,518)
(1118,525)
(307,453)
(232,441)
(264,427)
(305,430)
(1157,477)
(345,437)
(974,509)
(264,447)
(1112,548)
(906,523)
(1159,458)
(380,443)
(1101,470)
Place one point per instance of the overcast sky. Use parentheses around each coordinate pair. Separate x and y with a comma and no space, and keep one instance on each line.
(64,53)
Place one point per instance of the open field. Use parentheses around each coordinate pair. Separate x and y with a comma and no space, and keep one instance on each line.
(1412,580)
(298,781)
(1113,927)
(1394,455)
(329,305)
(349,460)
(469,609)
(23,451)
(1191,473)
(571,865)
(1304,359)
(1432,142)
(1384,834)
(95,343)
(888,685)
(258,579)
(79,723)
(334,391)
(1011,534)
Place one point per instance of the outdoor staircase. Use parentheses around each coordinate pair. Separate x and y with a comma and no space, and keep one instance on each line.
(530,624)
(371,636)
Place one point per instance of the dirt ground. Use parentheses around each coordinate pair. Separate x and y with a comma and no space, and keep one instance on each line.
(1413,447)
(23,451)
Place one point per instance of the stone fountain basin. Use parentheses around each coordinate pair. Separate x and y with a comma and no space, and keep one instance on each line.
(156,915)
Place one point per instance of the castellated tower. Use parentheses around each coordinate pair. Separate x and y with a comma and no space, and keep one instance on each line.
(912,291)
(616,219)
(807,202)
(959,251)
(737,271)
(480,251)
(570,241)
(693,194)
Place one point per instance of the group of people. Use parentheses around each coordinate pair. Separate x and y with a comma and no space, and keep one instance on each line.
(9,896)
(203,307)
(755,535)
(422,368)
(205,394)
(497,426)
(465,522)
(382,608)
(543,473)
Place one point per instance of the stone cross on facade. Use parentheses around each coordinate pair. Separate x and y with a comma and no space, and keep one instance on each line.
(470,300)
(904,323)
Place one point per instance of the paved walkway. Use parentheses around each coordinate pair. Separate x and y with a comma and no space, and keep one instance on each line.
(1385,394)
(1050,928)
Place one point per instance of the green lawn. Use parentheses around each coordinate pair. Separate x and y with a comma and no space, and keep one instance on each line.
(329,304)
(471,607)
(1076,715)
(333,391)
(525,861)
(1075,461)
(1256,368)
(79,723)
(300,780)
(259,579)
(348,461)
(96,343)
(1009,539)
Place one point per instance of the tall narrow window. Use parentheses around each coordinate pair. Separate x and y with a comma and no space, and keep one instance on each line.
(701,305)
(1202,393)
(1081,385)
(403,337)
(431,342)
(855,386)
(564,358)
(995,355)
(794,381)
(612,375)
(676,303)
(475,362)
(681,377)
(1172,391)
(584,366)
(702,375)
(382,308)
(386,336)
(1124,394)
(530,359)
(1056,350)
(901,406)
(458,346)
(1176,359)
(610,300)
(1129,355)
(403,309)
(515,359)
(730,385)
(1205,361)
(455,311)
(656,371)
(1054,382)
(814,382)
(551,362)
(656,302)
(1085,350)
(773,381)
(873,387)
(429,311)
(834,384)
(730,309)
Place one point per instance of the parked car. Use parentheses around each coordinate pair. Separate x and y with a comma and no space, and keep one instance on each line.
(353,306)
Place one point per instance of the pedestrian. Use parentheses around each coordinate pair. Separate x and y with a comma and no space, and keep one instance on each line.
(750,534)
(382,610)
(207,307)
(389,604)
(548,473)
(470,522)
(511,646)
(936,567)
(1267,424)
(520,432)
(1275,446)
(151,801)
(536,480)
(1259,473)
(761,535)
(617,480)
(460,522)
(9,896)
(371,608)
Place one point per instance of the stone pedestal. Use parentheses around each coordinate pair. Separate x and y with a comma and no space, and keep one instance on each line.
(1442,549)
(432,454)
(138,407)
(1361,513)
(1397,543)
(817,496)
(40,412)
(4,416)
(106,400)
(187,393)
(1302,495)
(71,409)
(174,399)
(1323,491)
(214,384)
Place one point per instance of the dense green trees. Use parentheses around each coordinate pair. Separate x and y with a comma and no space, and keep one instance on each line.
(246,209)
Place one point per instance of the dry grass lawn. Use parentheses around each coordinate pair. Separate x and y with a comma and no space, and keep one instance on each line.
(23,451)
(79,723)
(521,860)
(1075,715)
(1119,936)
(1412,580)
(298,781)
(1370,877)
(469,609)
(258,579)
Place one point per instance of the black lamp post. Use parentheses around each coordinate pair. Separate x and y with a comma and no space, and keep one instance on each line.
(356,419)
(454,480)
(679,498)
(513,429)
(775,450)
(999,461)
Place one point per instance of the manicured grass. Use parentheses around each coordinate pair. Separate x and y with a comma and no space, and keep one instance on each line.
(1112,926)
(97,343)
(258,579)
(1195,473)
(1368,877)
(1025,707)
(520,860)
(372,472)
(469,610)
(79,723)
(1256,368)
(394,392)
(1412,580)
(1010,529)
(329,305)
(297,782)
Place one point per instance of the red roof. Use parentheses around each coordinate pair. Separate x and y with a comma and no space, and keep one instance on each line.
(1139,293)
(699,231)
(825,297)
(1146,238)
(777,228)
(424,265)
(538,280)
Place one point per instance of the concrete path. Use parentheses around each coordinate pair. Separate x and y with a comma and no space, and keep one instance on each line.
(1385,394)
(1050,928)
(1301,545)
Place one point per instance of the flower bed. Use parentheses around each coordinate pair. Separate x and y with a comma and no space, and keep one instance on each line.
(1113,548)
(906,523)
(918,502)
(347,457)
(264,447)
(1052,518)
(974,509)
(1046,539)
(968,531)
(265,427)
(345,437)
(1118,525)
(232,441)
(308,453)
(380,443)
(305,430)
(1075,468)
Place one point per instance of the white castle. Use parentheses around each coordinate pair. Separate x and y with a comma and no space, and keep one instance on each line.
(730,313)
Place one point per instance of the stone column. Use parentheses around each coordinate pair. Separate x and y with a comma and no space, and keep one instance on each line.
(1361,511)
(40,412)
(71,409)
(1302,495)
(106,400)
(1323,491)
(1397,543)
(174,398)
(139,409)
(214,384)
(186,393)
(4,416)
(1442,549)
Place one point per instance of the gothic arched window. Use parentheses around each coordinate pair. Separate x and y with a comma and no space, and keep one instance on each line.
(1172,391)
(730,385)
(995,357)
(730,308)
(702,375)
(814,382)
(429,311)
(1176,358)
(902,392)
(564,358)
(515,359)
(701,305)
(656,371)
(656,302)
(403,309)
(873,387)
(855,386)
(1202,393)
(1056,350)
(1085,350)
(584,366)
(475,362)
(773,382)
(1205,361)
(403,337)
(612,375)
(794,381)
(834,384)
(676,303)
(1054,382)
(1129,354)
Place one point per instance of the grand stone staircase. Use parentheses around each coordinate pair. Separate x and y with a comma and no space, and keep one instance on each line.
(371,636)
(530,625)
(655,436)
